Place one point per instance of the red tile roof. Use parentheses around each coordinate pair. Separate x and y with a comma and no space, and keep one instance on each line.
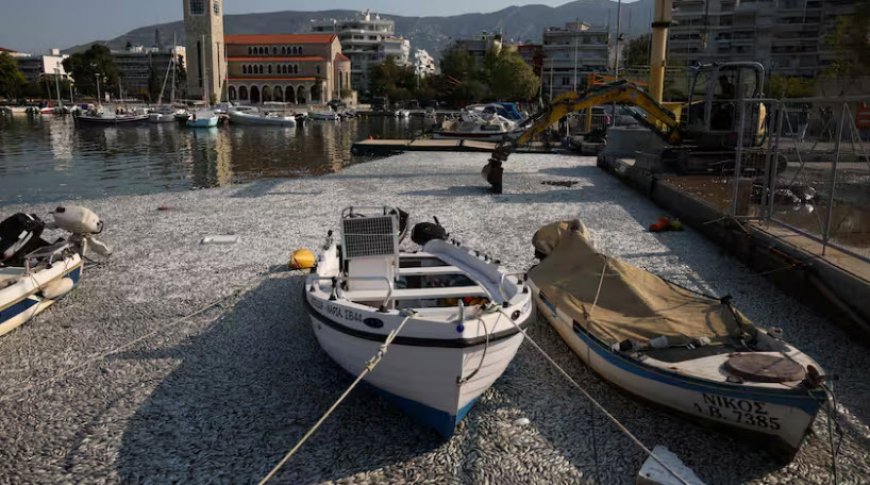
(3,49)
(276,59)
(259,39)
(271,78)
(339,57)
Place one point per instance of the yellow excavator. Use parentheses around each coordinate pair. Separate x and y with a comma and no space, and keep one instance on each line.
(701,134)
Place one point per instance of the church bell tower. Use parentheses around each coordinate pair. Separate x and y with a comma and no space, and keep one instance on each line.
(204,42)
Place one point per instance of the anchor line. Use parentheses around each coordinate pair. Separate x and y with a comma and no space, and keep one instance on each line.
(102,355)
(591,399)
(367,369)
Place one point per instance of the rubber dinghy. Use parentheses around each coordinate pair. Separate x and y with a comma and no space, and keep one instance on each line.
(34,273)
(689,352)
(464,310)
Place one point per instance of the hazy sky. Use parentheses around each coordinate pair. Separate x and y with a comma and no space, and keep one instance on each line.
(37,25)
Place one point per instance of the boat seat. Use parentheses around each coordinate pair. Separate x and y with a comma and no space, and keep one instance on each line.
(429,271)
(418,293)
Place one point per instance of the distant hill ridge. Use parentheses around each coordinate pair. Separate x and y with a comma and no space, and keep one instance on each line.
(525,23)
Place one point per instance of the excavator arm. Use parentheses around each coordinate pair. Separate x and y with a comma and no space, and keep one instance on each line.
(656,117)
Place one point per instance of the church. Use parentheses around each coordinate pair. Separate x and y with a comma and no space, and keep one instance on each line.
(259,68)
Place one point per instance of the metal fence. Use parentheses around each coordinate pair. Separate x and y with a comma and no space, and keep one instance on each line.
(810,175)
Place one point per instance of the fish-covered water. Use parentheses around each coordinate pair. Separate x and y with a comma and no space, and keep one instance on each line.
(48,158)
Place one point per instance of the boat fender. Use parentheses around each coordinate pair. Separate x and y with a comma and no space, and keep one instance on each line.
(77,220)
(58,288)
(302,258)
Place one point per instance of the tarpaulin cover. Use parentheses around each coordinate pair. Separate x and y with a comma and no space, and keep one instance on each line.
(632,303)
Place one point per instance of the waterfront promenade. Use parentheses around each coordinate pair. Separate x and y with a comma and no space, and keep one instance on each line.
(221,396)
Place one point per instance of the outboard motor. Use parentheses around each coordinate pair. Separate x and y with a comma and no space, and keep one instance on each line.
(83,224)
(19,236)
(424,232)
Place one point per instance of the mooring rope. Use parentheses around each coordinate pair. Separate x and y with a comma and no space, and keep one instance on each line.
(369,367)
(598,405)
(103,355)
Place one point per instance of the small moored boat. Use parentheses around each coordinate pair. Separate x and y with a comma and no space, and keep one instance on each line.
(270,119)
(202,119)
(34,273)
(691,353)
(464,310)
(323,115)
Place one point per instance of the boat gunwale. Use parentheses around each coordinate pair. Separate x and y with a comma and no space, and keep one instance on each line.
(414,341)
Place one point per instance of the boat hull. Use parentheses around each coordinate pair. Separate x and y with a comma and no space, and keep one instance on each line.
(247,119)
(435,381)
(99,120)
(202,122)
(22,301)
(782,416)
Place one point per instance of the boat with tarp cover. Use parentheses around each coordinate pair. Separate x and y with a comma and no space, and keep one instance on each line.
(689,352)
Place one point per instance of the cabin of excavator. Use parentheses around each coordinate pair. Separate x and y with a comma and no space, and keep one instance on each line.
(713,109)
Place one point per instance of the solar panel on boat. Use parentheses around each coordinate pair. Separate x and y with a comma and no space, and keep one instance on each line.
(369,236)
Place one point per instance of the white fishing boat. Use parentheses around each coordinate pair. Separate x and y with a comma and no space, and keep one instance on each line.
(101,118)
(462,307)
(202,119)
(34,274)
(323,115)
(272,119)
(691,353)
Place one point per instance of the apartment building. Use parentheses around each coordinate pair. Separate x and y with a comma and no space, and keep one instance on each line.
(367,40)
(571,54)
(137,63)
(786,36)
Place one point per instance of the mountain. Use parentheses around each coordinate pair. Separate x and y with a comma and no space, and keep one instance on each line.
(525,23)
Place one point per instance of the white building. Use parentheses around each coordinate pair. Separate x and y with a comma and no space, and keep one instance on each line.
(424,64)
(35,67)
(571,54)
(367,40)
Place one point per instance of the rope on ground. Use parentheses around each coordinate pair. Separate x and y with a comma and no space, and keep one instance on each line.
(597,404)
(103,355)
(369,367)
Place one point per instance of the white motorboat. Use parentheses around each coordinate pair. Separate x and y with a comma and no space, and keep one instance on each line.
(323,115)
(464,310)
(161,117)
(492,122)
(691,353)
(34,274)
(202,119)
(272,119)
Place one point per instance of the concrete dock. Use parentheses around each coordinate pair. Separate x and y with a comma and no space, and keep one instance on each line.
(220,397)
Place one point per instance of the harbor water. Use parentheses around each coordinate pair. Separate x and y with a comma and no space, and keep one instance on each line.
(48,158)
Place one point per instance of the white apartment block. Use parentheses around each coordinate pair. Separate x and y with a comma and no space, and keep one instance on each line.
(424,64)
(367,40)
(571,55)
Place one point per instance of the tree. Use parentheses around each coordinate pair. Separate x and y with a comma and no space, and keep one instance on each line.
(636,52)
(11,79)
(155,83)
(458,64)
(511,79)
(397,82)
(180,79)
(86,66)
(790,87)
(850,41)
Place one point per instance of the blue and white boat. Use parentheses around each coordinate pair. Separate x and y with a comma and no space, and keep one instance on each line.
(202,119)
(688,352)
(34,274)
(456,343)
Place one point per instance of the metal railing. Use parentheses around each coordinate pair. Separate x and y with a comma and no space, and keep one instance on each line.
(811,173)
